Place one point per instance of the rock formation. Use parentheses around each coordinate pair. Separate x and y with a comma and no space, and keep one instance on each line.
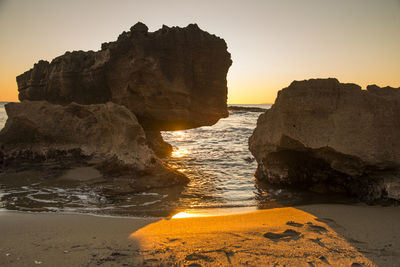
(174,78)
(246,109)
(107,137)
(106,109)
(324,136)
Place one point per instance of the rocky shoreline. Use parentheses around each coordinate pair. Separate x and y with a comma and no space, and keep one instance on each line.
(103,111)
(104,137)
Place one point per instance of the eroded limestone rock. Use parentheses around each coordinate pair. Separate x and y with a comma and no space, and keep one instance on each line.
(328,136)
(108,137)
(174,78)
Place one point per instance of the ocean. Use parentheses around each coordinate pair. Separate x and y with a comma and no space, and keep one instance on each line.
(215,158)
(217,161)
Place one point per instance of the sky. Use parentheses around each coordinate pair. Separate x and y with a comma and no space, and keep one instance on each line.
(272,42)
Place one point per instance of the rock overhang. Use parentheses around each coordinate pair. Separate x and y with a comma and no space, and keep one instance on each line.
(173,78)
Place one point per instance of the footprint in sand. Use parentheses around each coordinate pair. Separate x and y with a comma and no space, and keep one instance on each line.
(310,226)
(173,239)
(322,258)
(316,228)
(287,235)
(196,256)
(294,224)
(318,242)
(194,265)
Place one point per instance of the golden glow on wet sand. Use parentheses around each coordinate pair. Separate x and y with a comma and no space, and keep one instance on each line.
(212,212)
(287,236)
(181,215)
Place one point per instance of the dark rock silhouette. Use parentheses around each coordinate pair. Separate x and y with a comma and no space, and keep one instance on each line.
(157,143)
(107,137)
(174,78)
(105,109)
(246,109)
(324,136)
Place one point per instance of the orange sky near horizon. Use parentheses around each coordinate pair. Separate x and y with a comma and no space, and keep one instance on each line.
(272,42)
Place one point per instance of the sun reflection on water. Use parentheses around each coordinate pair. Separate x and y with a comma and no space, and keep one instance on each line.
(212,212)
(179,135)
(179,152)
(185,215)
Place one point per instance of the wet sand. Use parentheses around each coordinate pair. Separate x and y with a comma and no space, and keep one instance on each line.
(343,235)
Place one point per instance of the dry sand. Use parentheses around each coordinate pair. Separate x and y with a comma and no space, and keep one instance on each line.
(40,239)
(372,230)
(343,235)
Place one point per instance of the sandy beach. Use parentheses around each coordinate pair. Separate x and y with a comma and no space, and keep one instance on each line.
(313,235)
(29,239)
(372,230)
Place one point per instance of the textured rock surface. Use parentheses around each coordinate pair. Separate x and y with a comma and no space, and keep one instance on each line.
(105,136)
(157,144)
(173,78)
(327,136)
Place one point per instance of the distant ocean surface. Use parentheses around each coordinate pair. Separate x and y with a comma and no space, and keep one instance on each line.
(215,158)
